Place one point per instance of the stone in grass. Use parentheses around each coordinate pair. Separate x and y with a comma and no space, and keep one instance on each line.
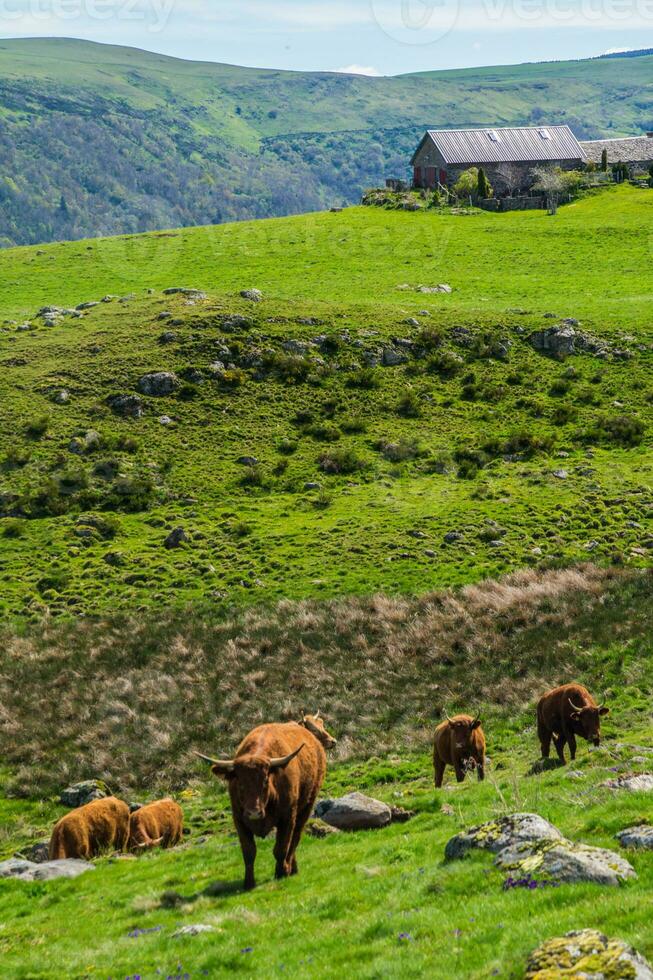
(566,862)
(127,406)
(38,853)
(23,870)
(253,295)
(355,811)
(640,838)
(500,833)
(79,794)
(176,538)
(634,783)
(195,929)
(158,384)
(320,828)
(586,953)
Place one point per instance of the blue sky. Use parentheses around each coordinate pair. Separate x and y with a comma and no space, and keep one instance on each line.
(369,36)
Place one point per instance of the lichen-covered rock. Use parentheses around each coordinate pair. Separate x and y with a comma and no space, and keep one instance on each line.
(253,295)
(634,783)
(320,828)
(85,792)
(30,871)
(158,384)
(588,954)
(127,406)
(495,835)
(637,837)
(355,811)
(195,929)
(564,861)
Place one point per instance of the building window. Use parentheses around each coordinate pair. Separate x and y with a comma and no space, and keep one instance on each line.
(545,134)
(493,135)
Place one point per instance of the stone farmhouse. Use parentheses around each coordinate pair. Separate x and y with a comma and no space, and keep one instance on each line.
(635,151)
(507,155)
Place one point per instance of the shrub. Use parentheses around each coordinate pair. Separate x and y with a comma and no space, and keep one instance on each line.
(483,186)
(430,338)
(290,368)
(232,378)
(366,378)
(286,447)
(447,364)
(353,425)
(409,405)
(401,451)
(324,432)
(36,428)
(17,457)
(132,493)
(188,392)
(467,183)
(624,430)
(323,500)
(254,476)
(340,461)
(13,527)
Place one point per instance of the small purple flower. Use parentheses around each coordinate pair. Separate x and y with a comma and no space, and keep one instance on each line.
(457,932)
(403,936)
(247,949)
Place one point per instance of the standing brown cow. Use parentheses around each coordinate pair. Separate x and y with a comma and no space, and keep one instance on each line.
(159,824)
(87,831)
(273,782)
(565,712)
(459,742)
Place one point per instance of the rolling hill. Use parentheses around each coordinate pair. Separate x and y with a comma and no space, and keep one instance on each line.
(99,140)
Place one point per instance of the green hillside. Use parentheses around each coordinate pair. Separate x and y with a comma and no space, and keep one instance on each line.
(99,140)
(293,464)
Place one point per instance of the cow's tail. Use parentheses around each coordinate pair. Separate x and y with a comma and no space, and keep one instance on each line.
(57,851)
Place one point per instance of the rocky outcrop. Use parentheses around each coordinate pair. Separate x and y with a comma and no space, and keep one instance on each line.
(158,384)
(85,792)
(641,782)
(526,844)
(127,406)
(566,339)
(30,871)
(637,838)
(587,953)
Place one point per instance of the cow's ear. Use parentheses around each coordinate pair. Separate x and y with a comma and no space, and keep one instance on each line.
(476,723)
(604,711)
(222,773)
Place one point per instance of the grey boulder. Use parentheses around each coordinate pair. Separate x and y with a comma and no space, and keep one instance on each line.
(566,862)
(253,295)
(637,838)
(634,783)
(85,792)
(158,384)
(355,811)
(587,953)
(127,406)
(30,871)
(495,835)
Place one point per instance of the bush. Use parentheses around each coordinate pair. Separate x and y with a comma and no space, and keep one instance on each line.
(623,430)
(401,451)
(36,428)
(340,461)
(13,527)
(17,457)
(286,447)
(366,378)
(324,432)
(467,183)
(409,405)
(447,364)
(254,476)
(353,425)
(430,338)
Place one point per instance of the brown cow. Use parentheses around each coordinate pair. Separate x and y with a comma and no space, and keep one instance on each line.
(459,742)
(159,824)
(273,782)
(315,725)
(87,831)
(565,712)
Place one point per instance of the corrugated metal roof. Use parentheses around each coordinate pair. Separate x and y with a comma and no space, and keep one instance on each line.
(632,149)
(526,144)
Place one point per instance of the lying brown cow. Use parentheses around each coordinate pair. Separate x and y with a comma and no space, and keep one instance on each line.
(84,833)
(273,782)
(159,824)
(459,742)
(565,712)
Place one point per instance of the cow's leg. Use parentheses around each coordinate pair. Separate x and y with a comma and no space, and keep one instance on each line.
(559,742)
(300,823)
(480,769)
(460,771)
(248,847)
(571,742)
(285,832)
(439,773)
(544,736)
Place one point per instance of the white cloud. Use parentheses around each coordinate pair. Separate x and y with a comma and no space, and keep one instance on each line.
(359,70)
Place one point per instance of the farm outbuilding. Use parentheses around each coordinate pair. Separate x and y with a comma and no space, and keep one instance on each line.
(635,151)
(507,155)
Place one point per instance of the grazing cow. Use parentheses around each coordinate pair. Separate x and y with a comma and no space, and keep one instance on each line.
(87,831)
(565,712)
(159,824)
(315,725)
(459,742)
(273,782)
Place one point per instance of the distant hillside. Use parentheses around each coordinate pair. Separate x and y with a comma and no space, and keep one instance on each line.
(98,140)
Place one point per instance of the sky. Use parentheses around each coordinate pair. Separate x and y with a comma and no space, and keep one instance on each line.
(374,37)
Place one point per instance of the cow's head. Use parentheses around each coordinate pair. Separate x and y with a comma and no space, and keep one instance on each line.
(249,778)
(463,729)
(315,725)
(589,719)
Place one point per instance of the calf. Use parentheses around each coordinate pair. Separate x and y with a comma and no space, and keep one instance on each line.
(84,833)
(564,713)
(315,725)
(273,782)
(159,824)
(459,742)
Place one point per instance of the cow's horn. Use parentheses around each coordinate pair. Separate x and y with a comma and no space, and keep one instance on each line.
(447,716)
(317,714)
(283,761)
(222,765)
(574,706)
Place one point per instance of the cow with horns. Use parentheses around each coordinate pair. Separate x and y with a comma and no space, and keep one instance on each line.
(564,713)
(273,781)
(158,824)
(459,742)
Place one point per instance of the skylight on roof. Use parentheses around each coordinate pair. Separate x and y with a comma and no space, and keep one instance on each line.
(493,135)
(545,134)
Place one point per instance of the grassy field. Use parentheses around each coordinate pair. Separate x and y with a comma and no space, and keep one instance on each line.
(361,472)
(99,140)
(375,904)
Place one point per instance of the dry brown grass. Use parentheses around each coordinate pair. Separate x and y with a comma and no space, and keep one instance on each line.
(127,699)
